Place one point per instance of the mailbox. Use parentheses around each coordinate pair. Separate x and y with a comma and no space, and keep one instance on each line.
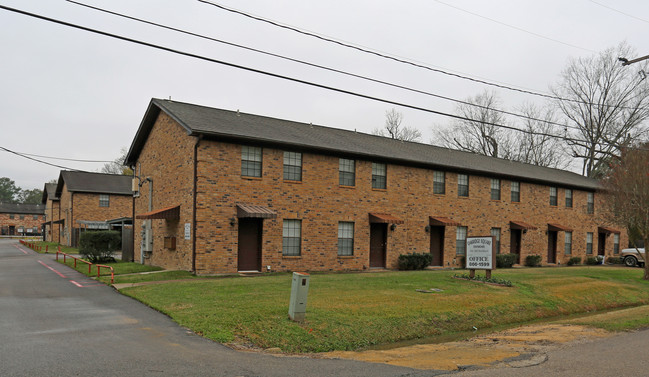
(299,292)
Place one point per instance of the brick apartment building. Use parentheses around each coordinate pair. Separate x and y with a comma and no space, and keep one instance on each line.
(21,219)
(52,228)
(87,200)
(223,191)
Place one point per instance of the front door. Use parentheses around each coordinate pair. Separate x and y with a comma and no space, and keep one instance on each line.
(249,256)
(552,246)
(12,230)
(437,245)
(515,244)
(378,240)
(601,243)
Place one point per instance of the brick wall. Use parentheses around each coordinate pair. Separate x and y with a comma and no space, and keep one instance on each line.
(320,202)
(26,223)
(52,213)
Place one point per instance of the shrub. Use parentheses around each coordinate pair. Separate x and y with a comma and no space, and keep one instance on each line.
(99,246)
(505,260)
(574,260)
(414,261)
(591,261)
(614,260)
(533,260)
(484,279)
(462,261)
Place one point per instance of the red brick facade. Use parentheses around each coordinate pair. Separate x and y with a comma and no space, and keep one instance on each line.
(320,202)
(21,220)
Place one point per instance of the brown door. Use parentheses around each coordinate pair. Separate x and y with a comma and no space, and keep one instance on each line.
(552,247)
(437,245)
(515,244)
(601,243)
(249,257)
(12,230)
(378,238)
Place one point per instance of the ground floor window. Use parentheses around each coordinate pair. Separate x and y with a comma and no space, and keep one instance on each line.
(589,243)
(345,238)
(460,240)
(616,244)
(291,237)
(495,232)
(568,243)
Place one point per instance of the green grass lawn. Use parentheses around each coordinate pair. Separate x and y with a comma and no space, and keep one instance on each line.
(358,310)
(53,247)
(119,268)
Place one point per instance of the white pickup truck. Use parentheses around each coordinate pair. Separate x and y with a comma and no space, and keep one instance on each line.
(633,257)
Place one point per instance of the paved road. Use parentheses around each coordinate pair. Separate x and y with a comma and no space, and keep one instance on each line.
(57,322)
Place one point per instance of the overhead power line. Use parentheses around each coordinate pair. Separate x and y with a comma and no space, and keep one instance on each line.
(271,74)
(619,11)
(63,158)
(37,160)
(320,66)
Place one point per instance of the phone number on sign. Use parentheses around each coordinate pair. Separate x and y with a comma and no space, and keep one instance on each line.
(479,264)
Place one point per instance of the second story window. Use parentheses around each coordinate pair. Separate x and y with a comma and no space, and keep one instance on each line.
(347,172)
(495,189)
(22,217)
(553,196)
(379,176)
(104,200)
(250,161)
(463,185)
(568,198)
(35,217)
(516,191)
(439,182)
(11,215)
(292,166)
(590,202)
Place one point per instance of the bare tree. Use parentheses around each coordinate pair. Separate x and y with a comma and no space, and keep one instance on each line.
(478,135)
(536,146)
(606,103)
(394,130)
(117,166)
(628,187)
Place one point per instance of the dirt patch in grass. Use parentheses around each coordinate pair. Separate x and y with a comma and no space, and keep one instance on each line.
(485,350)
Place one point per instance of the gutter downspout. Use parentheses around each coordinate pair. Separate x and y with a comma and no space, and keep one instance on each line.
(195,189)
(71,218)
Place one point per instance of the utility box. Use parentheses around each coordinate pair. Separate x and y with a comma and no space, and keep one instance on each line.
(299,292)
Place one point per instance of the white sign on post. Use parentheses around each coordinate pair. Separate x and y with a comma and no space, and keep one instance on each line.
(480,253)
(188,231)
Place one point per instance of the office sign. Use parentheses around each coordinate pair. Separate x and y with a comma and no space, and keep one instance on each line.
(480,253)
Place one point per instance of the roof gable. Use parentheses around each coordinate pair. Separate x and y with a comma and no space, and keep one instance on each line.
(100,183)
(18,208)
(248,128)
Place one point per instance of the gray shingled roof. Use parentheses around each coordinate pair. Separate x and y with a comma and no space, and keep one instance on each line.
(100,183)
(248,128)
(28,209)
(49,192)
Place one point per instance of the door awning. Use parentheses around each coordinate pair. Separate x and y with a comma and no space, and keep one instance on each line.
(384,218)
(168,213)
(258,212)
(47,223)
(442,221)
(93,224)
(554,227)
(59,221)
(521,225)
(607,230)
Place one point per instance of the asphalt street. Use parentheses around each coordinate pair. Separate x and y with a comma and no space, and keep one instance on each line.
(57,322)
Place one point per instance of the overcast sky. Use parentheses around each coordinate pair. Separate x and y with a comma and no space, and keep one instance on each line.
(72,94)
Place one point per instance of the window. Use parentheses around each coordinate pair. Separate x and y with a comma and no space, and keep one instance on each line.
(11,216)
(460,240)
(495,232)
(568,243)
(35,229)
(590,202)
(589,243)
(462,185)
(250,161)
(553,196)
(439,182)
(292,166)
(379,176)
(616,243)
(35,217)
(291,237)
(104,200)
(495,189)
(516,191)
(345,238)
(568,198)
(22,217)
(347,172)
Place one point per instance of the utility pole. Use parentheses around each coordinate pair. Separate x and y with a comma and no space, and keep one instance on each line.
(626,61)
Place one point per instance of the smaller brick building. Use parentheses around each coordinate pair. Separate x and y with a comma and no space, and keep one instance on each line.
(21,219)
(86,199)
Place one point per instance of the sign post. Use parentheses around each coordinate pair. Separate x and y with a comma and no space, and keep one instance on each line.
(480,255)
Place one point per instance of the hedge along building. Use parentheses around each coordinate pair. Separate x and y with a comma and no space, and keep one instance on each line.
(223,191)
(52,226)
(87,200)
(21,219)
